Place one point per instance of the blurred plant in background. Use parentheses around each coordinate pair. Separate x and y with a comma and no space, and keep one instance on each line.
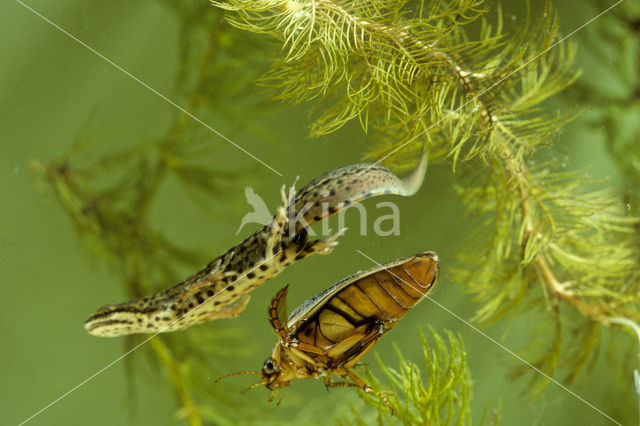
(619,124)
(446,73)
(110,196)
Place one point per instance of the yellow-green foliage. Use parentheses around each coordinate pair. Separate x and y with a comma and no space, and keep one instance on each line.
(434,392)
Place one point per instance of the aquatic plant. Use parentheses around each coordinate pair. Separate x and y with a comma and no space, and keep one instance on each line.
(446,73)
(110,195)
(437,391)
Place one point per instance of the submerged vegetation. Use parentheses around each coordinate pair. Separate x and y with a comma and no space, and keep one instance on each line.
(446,73)
(111,196)
(436,392)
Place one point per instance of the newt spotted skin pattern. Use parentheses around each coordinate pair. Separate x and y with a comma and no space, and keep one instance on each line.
(221,289)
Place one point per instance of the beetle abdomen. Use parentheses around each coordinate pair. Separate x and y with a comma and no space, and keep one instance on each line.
(384,296)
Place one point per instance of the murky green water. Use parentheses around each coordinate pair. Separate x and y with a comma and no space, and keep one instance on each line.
(54,90)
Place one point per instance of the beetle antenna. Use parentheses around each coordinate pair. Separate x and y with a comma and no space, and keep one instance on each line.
(237,374)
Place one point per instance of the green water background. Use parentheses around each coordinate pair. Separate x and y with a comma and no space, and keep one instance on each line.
(50,87)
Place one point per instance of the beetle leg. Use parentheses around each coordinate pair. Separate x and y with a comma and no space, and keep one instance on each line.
(303,353)
(275,394)
(356,382)
(368,389)
(343,346)
(366,341)
(358,343)
(353,361)
(300,348)
(278,303)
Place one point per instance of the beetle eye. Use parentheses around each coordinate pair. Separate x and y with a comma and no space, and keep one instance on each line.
(269,367)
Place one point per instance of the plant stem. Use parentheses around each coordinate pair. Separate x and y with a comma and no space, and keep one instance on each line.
(173,369)
(520,174)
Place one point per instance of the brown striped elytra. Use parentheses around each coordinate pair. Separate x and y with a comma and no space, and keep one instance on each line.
(331,332)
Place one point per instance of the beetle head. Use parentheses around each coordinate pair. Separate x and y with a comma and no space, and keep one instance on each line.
(275,374)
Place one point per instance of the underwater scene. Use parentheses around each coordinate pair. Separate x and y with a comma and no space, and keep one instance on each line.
(430,208)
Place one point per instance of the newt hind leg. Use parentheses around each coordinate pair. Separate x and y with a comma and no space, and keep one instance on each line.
(204,314)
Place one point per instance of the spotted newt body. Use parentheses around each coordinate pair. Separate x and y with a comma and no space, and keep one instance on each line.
(221,289)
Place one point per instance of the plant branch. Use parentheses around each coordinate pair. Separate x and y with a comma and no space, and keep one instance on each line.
(188,408)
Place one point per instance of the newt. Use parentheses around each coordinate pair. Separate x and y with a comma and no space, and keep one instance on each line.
(221,289)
